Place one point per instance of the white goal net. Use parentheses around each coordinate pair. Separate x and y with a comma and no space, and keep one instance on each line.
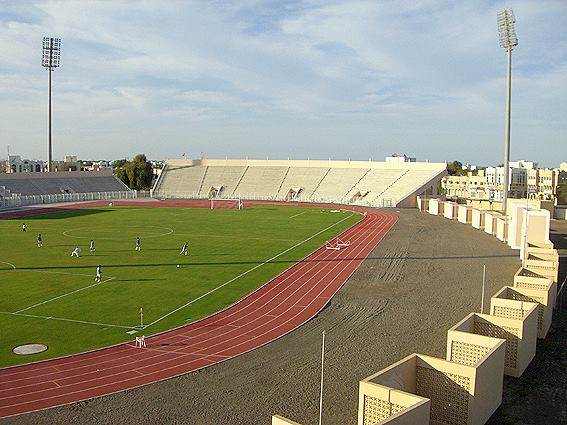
(234,204)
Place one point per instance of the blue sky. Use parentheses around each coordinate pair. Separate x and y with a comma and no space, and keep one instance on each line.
(279,79)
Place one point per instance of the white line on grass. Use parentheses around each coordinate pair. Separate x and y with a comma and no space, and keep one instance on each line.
(10,264)
(64,295)
(50,272)
(61,319)
(244,273)
(297,215)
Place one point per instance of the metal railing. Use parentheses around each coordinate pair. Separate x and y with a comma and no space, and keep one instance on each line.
(379,203)
(15,201)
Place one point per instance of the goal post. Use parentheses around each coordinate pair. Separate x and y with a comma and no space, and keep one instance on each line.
(234,204)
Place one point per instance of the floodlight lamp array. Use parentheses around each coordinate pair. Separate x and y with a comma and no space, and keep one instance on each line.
(506,30)
(51,55)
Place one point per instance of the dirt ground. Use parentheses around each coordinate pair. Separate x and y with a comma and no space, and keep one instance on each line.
(424,277)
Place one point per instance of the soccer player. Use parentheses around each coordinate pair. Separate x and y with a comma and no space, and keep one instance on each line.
(184,249)
(92,248)
(98,273)
(138,247)
(24,227)
(39,240)
(76,252)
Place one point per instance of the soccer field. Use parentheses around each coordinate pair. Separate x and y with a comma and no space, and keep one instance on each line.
(51,298)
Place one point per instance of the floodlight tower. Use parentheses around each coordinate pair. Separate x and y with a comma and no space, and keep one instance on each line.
(50,60)
(508,40)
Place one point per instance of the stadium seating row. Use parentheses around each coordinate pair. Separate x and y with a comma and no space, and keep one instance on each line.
(466,386)
(356,182)
(27,184)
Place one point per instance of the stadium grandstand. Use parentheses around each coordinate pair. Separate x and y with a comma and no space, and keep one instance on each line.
(19,189)
(367,183)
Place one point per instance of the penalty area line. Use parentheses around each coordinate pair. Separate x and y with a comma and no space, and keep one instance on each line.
(245,273)
(297,215)
(61,319)
(63,295)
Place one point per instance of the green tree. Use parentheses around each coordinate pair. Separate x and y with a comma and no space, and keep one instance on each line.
(136,174)
(455,168)
(119,170)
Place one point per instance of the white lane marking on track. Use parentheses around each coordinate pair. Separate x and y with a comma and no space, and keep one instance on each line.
(64,295)
(10,264)
(297,215)
(245,273)
(62,319)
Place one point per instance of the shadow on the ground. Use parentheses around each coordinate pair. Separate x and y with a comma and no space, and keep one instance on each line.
(51,213)
(281,261)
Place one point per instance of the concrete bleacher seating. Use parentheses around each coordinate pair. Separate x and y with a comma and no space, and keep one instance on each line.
(261,182)
(406,184)
(27,184)
(348,182)
(338,182)
(305,178)
(221,177)
(374,183)
(181,179)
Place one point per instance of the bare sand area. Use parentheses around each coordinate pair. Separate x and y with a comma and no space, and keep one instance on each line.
(424,277)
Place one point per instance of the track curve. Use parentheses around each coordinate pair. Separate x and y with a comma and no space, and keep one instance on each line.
(275,309)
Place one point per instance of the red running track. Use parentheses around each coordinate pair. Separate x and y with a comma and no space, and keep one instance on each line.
(278,307)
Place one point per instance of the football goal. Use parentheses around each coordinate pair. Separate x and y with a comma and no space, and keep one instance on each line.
(235,204)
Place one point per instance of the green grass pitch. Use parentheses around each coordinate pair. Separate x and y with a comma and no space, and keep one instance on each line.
(52,298)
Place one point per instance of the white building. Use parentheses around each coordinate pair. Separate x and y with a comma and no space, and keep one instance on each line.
(517,185)
(15,164)
(399,158)
(522,163)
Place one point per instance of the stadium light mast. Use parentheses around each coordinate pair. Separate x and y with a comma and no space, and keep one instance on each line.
(508,40)
(50,60)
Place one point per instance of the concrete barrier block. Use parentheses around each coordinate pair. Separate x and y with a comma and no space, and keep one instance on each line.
(459,394)
(422,203)
(527,279)
(477,219)
(543,299)
(490,218)
(450,210)
(502,228)
(544,264)
(435,207)
(520,336)
(464,214)
(382,405)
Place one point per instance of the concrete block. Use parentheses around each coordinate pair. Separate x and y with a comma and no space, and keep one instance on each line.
(527,279)
(520,336)
(450,210)
(459,393)
(477,219)
(543,298)
(464,214)
(379,404)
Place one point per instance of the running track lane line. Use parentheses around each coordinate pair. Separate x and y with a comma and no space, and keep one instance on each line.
(277,308)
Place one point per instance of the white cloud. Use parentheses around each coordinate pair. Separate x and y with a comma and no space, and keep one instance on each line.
(330,75)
